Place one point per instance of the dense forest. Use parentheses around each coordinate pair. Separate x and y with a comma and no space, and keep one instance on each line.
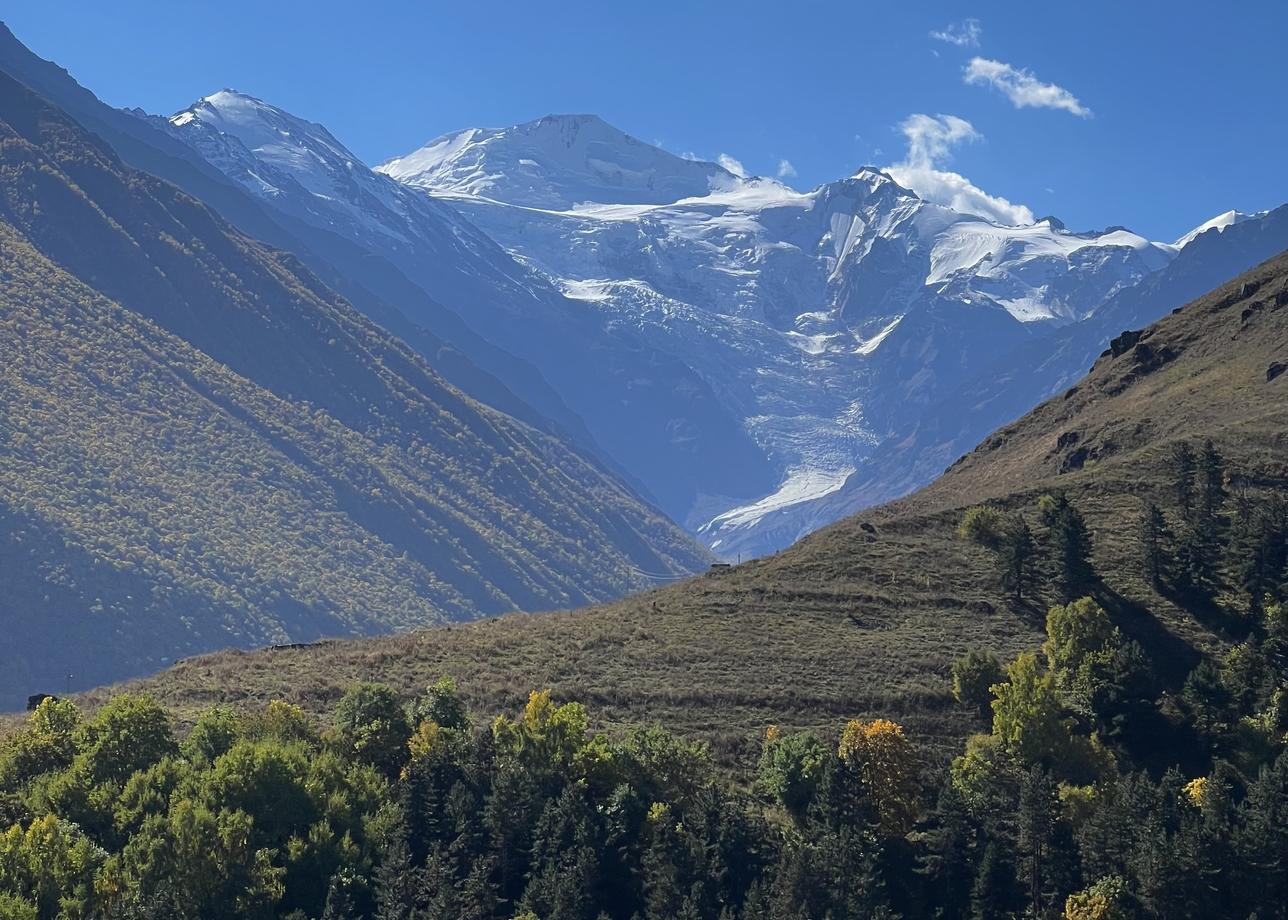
(1099,784)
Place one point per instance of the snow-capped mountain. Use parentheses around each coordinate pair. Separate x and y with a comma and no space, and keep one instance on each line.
(1219,224)
(741,348)
(652,415)
(1044,366)
(301,168)
(821,319)
(556,162)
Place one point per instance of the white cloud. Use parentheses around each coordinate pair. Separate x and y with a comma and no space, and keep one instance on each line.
(732,165)
(785,169)
(931,140)
(1022,87)
(964,34)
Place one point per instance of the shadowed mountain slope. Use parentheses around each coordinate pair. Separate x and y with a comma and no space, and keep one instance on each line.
(203,445)
(368,281)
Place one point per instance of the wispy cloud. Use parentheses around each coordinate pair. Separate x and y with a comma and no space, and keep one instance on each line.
(785,169)
(729,163)
(1022,87)
(964,34)
(931,139)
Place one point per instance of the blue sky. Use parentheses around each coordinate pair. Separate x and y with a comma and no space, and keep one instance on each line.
(1150,114)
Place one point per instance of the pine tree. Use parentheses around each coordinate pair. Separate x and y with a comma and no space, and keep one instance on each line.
(1016,557)
(1260,551)
(994,895)
(346,897)
(1069,543)
(1184,472)
(948,860)
(1153,544)
(1211,479)
(397,880)
(1261,843)
(1008,537)
(1039,812)
(1207,700)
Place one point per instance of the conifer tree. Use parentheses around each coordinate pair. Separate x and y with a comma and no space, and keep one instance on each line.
(1010,540)
(994,895)
(1069,543)
(1184,473)
(1153,544)
(1211,479)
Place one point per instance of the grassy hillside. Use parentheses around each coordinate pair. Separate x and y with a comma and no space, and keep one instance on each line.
(865,617)
(203,446)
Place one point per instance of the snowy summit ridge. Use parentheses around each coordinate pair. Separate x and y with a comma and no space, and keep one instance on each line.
(556,162)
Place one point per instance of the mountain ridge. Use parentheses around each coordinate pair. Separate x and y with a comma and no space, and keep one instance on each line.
(560,160)
(194,418)
(822,318)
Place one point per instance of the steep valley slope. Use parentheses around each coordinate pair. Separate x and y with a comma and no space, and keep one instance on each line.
(204,446)
(865,617)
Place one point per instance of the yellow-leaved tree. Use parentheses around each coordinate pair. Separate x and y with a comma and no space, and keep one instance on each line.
(887,763)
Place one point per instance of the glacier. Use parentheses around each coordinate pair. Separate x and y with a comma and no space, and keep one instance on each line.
(740,348)
(820,318)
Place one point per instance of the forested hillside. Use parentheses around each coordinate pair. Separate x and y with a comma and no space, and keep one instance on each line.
(417,808)
(204,446)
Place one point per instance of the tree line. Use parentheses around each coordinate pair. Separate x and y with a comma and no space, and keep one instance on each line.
(1096,786)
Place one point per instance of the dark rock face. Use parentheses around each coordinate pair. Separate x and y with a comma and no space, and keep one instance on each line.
(1275,370)
(1124,343)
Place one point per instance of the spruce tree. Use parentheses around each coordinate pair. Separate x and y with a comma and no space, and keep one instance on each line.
(397,880)
(994,895)
(1015,557)
(1069,544)
(1153,544)
(1184,472)
(1039,812)
(1211,479)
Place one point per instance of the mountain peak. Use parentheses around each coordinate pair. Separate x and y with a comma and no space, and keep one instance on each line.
(269,131)
(872,173)
(569,120)
(557,162)
(1218,223)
